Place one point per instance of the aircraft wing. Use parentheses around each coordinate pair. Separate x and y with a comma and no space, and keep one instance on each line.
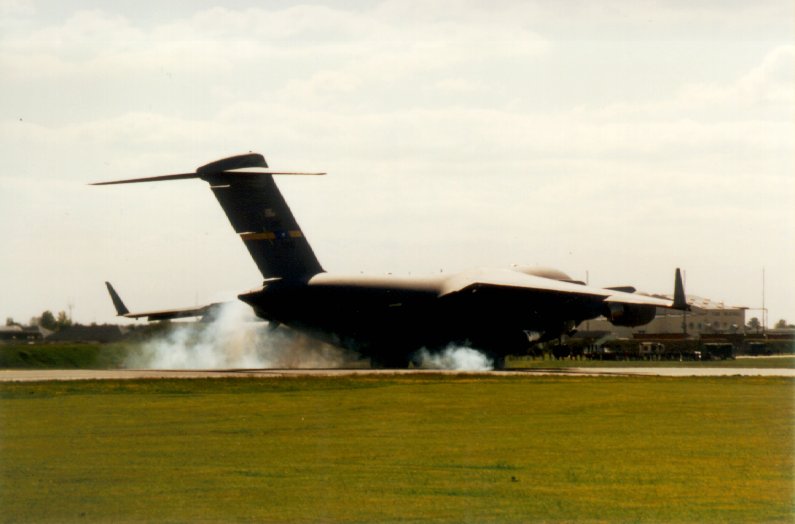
(168,314)
(206,312)
(473,281)
(640,300)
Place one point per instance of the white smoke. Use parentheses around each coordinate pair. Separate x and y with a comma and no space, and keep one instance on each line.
(232,340)
(456,358)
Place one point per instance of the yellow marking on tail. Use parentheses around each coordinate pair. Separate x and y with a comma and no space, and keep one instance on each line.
(269,235)
(265,235)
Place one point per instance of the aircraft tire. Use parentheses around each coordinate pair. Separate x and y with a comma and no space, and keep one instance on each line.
(390,361)
(498,362)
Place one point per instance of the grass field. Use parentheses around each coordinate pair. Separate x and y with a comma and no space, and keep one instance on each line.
(86,355)
(78,355)
(399,449)
(783,361)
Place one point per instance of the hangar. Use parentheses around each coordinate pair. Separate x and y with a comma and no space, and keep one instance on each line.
(20,333)
(707,317)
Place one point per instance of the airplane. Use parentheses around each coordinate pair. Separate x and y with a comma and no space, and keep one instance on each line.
(391,318)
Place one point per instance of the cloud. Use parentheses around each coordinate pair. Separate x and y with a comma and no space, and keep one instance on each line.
(768,85)
(464,124)
(16,8)
(219,40)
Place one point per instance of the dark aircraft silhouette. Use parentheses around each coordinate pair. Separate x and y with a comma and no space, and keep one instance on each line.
(389,318)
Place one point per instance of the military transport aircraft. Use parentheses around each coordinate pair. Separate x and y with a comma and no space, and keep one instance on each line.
(390,318)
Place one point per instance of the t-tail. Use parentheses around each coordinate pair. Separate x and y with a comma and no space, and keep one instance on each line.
(245,188)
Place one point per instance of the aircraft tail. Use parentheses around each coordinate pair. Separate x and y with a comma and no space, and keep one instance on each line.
(245,188)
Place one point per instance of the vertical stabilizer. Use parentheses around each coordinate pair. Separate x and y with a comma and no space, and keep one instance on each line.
(259,214)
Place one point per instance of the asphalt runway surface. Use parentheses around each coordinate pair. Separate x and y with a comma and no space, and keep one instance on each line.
(26,375)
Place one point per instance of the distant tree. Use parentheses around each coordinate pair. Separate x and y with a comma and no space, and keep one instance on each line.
(47,320)
(62,321)
(781,324)
(754,324)
(10,322)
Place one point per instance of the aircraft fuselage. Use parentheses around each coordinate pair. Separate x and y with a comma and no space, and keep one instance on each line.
(394,316)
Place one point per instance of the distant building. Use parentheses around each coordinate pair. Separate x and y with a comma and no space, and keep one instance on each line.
(80,333)
(706,317)
(21,334)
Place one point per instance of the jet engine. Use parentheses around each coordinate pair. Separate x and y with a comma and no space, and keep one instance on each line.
(629,315)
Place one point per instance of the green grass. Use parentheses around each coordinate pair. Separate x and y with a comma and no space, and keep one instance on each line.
(786,362)
(87,355)
(66,355)
(399,449)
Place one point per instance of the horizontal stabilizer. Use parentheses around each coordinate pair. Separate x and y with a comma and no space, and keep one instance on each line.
(183,176)
(161,178)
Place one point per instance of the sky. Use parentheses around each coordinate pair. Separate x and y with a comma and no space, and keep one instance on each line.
(613,140)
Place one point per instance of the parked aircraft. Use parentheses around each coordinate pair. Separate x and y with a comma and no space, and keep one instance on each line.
(390,318)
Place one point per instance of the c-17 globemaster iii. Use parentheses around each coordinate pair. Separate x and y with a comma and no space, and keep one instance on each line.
(391,318)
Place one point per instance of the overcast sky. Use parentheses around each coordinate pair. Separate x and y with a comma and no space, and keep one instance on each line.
(615,139)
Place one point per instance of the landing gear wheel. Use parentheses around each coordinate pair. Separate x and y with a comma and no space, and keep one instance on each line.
(390,362)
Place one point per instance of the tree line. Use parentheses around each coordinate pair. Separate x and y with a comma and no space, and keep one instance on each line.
(755,325)
(47,320)
(53,322)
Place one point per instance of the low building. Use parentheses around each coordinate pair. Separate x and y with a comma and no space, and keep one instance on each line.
(80,333)
(707,317)
(22,334)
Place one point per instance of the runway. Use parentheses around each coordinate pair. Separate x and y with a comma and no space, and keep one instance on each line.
(25,375)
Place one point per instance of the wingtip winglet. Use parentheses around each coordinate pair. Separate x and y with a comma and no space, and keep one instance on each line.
(680,300)
(121,309)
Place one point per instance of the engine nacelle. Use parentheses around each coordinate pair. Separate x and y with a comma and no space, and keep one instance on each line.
(629,315)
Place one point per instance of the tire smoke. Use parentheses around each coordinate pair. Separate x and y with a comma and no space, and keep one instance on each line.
(233,340)
(456,358)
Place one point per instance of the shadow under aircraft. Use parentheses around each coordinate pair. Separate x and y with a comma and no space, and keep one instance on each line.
(390,318)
